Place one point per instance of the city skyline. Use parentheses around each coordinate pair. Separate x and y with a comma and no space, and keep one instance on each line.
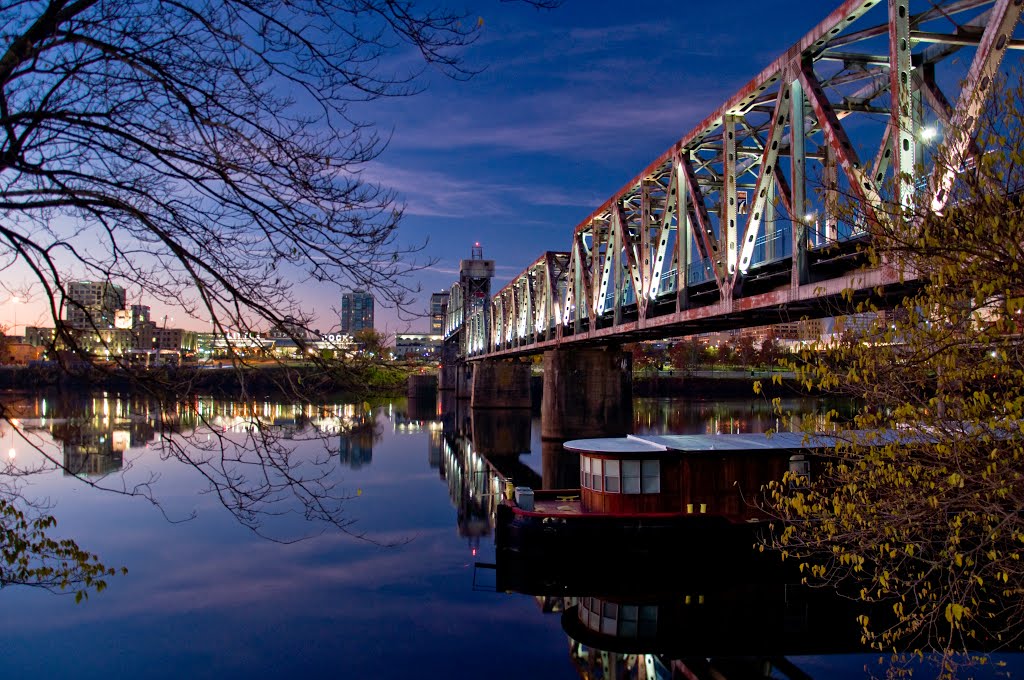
(569,105)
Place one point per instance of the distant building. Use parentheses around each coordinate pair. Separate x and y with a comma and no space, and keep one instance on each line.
(356,312)
(804,330)
(438,309)
(205,341)
(148,336)
(140,314)
(291,328)
(18,353)
(93,304)
(38,336)
(862,325)
(417,345)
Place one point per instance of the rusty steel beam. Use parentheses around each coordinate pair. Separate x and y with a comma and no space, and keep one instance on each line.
(766,177)
(1004,16)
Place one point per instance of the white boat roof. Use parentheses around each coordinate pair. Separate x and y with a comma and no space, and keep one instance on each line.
(683,443)
(776,441)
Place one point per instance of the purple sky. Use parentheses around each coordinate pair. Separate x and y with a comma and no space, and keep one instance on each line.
(570,105)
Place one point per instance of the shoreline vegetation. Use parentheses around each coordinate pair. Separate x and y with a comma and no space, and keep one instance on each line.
(371,380)
(259,381)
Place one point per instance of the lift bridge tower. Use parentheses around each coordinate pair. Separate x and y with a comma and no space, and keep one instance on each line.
(470,305)
(475,276)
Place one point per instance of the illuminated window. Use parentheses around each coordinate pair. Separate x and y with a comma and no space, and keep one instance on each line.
(611,476)
(651,477)
(630,476)
(620,476)
(609,614)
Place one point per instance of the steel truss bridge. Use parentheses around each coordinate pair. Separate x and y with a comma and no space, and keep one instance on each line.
(720,231)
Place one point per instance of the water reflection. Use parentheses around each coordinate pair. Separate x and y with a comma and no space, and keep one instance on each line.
(707,612)
(262,460)
(732,416)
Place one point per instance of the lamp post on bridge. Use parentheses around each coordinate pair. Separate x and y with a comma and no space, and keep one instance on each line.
(15,300)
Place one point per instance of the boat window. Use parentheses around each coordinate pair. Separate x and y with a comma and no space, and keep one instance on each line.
(628,623)
(611,476)
(609,616)
(620,476)
(648,621)
(651,482)
(630,476)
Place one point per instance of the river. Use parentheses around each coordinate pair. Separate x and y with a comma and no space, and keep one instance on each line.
(209,595)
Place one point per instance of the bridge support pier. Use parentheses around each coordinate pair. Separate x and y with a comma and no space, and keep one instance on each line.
(446,374)
(501,384)
(463,380)
(587,393)
(501,432)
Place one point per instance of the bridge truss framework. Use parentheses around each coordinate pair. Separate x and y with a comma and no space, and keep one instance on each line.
(721,230)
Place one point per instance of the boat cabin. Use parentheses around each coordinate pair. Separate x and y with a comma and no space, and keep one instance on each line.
(713,474)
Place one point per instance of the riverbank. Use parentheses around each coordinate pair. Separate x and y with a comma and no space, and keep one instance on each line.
(272,380)
(707,383)
(308,381)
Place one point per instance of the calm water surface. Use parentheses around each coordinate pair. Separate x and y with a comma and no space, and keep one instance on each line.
(208,597)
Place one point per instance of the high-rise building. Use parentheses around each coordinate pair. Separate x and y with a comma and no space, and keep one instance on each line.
(133,317)
(356,312)
(438,308)
(140,315)
(93,304)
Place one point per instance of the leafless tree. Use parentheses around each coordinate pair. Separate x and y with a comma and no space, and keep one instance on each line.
(208,153)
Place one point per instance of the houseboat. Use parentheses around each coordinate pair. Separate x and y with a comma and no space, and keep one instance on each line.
(656,494)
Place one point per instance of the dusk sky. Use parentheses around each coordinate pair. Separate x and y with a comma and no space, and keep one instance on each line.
(569,106)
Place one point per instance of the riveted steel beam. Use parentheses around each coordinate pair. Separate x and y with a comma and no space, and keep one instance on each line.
(766,176)
(1004,16)
(903,129)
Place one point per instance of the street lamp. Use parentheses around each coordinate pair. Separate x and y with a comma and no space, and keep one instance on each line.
(15,300)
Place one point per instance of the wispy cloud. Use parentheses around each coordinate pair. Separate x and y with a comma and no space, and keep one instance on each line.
(582,127)
(459,193)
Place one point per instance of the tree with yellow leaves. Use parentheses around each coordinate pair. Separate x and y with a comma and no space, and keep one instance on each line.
(921,510)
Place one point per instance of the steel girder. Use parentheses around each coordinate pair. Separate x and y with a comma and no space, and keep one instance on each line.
(757,182)
(455,316)
(529,309)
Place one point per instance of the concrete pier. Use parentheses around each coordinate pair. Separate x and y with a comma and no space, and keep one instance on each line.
(463,380)
(560,468)
(422,387)
(587,393)
(501,384)
(449,362)
(501,432)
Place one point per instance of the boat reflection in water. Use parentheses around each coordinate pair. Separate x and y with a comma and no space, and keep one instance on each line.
(715,610)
